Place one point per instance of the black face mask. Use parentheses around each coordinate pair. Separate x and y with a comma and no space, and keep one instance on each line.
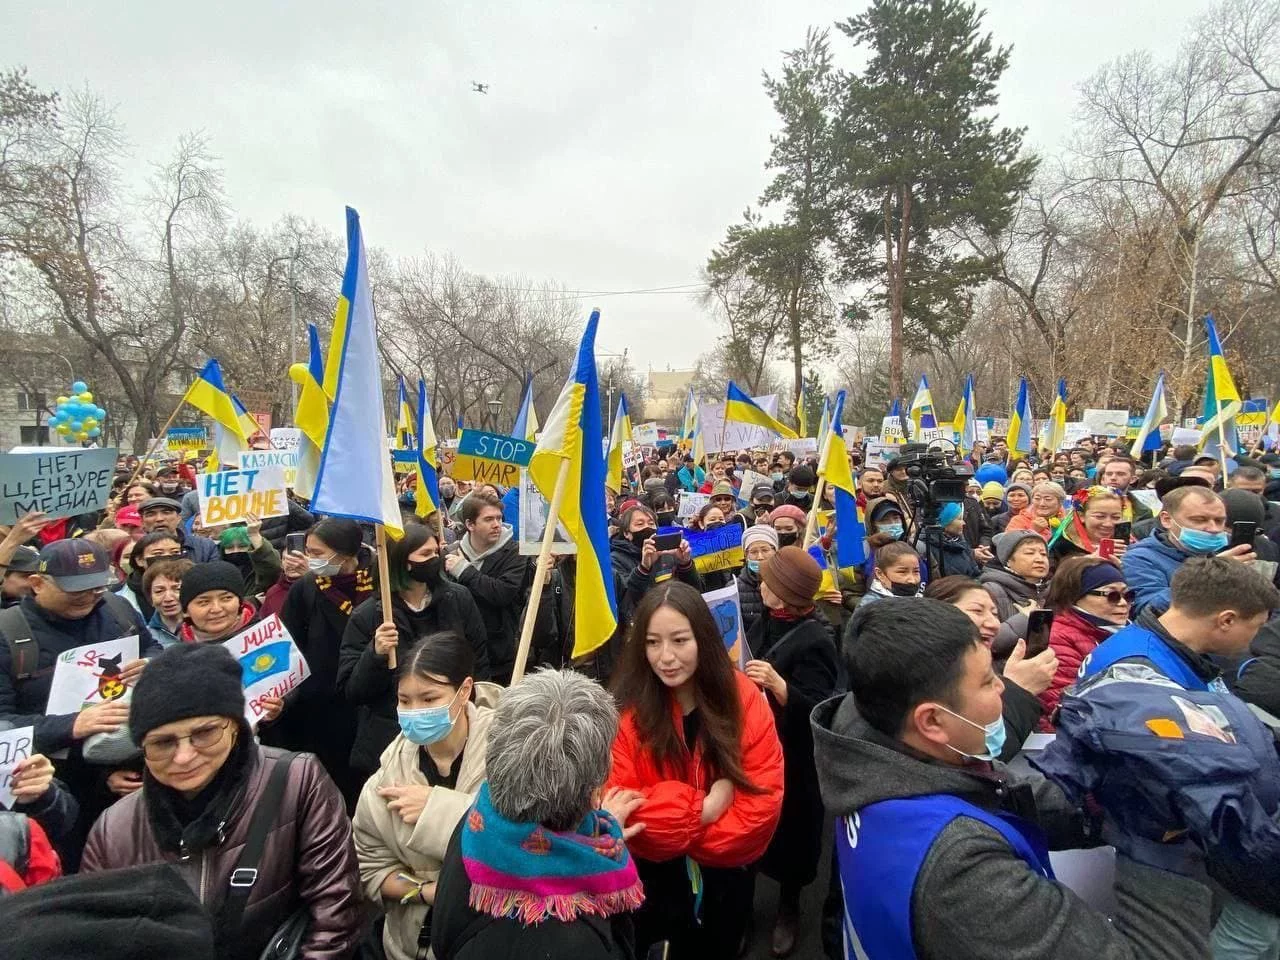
(638,537)
(666,518)
(429,572)
(240,561)
(904,589)
(787,539)
(715,525)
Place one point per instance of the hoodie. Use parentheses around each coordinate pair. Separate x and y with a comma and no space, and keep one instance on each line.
(973,897)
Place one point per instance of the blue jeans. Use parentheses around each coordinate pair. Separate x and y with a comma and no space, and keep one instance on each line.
(1245,933)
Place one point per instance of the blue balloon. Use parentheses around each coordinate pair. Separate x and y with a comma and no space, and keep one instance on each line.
(95,432)
(99,413)
(76,426)
(79,387)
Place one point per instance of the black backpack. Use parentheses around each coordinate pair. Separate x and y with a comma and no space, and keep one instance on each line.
(24,652)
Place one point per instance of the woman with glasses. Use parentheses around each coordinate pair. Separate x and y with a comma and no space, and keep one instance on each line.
(1090,601)
(205,782)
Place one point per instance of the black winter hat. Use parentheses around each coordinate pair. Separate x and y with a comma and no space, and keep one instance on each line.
(186,680)
(214,575)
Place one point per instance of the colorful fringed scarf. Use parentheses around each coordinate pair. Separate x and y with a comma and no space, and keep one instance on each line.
(528,873)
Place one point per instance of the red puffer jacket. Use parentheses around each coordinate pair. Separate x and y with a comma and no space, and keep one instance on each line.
(1072,638)
(672,809)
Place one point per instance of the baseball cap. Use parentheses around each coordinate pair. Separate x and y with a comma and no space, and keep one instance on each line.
(158,503)
(24,560)
(75,565)
(128,517)
(762,490)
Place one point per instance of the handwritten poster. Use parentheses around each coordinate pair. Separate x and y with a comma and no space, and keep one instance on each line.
(736,436)
(270,662)
(15,745)
(61,483)
(89,675)
(228,496)
(726,609)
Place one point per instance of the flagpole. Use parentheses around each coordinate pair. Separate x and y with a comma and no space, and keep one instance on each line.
(811,527)
(154,446)
(1222,436)
(384,584)
(540,572)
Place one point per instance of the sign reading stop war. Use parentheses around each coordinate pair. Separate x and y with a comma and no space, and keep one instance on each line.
(229,496)
(60,483)
(491,457)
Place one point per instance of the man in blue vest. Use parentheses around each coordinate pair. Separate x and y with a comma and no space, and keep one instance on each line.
(942,852)
(1216,607)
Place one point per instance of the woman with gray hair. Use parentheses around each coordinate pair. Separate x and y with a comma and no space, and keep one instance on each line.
(537,868)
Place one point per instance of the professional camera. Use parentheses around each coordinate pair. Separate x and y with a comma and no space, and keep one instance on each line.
(933,475)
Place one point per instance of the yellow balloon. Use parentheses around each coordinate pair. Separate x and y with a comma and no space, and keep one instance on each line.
(89,423)
(87,397)
(61,400)
(82,435)
(64,428)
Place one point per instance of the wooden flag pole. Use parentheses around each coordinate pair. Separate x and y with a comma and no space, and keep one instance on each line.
(540,572)
(163,430)
(811,528)
(384,584)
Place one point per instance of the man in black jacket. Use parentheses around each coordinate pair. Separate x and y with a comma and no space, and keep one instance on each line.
(488,563)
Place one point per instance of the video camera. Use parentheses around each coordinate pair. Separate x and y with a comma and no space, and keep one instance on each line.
(932,475)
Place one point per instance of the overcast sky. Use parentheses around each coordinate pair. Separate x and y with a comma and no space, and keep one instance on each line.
(616,144)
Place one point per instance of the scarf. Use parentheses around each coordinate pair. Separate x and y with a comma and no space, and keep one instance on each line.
(189,634)
(346,591)
(186,827)
(525,872)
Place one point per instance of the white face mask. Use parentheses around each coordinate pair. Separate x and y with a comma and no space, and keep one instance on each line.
(323,566)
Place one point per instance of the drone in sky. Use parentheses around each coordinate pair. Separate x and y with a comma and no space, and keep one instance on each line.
(477,87)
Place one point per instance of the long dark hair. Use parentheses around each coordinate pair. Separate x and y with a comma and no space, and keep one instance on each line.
(715,689)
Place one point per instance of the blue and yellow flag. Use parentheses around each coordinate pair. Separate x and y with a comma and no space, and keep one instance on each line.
(1148,437)
(312,415)
(922,414)
(1221,399)
(355,466)
(965,422)
(572,432)
(833,465)
(459,426)
(689,422)
(802,417)
(619,435)
(1020,439)
(427,494)
(406,433)
(210,396)
(739,408)
(1056,431)
(526,425)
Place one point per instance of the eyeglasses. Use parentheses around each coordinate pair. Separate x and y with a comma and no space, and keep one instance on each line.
(202,739)
(1114,597)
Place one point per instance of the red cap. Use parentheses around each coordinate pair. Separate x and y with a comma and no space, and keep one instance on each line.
(128,517)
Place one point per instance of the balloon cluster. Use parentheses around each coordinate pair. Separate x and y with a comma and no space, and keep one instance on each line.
(76,416)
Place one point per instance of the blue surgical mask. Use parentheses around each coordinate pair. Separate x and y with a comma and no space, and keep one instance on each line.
(753,566)
(776,476)
(992,734)
(1274,473)
(892,529)
(1201,542)
(427,724)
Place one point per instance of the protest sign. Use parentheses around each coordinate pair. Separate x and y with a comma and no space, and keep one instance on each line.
(1106,423)
(1185,435)
(228,496)
(932,434)
(891,430)
(186,438)
(491,457)
(533,522)
(271,665)
(999,427)
(736,436)
(982,429)
(89,675)
(448,454)
(751,480)
(804,447)
(15,745)
(632,454)
(1148,498)
(58,482)
(286,438)
(645,433)
(719,549)
(690,504)
(726,609)
(286,460)
(1075,431)
(877,453)
(404,461)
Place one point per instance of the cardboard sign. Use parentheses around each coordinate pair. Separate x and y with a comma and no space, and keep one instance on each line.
(89,675)
(286,438)
(804,447)
(719,549)
(751,480)
(736,436)
(271,665)
(534,509)
(15,745)
(726,609)
(632,454)
(645,433)
(690,504)
(891,430)
(1106,423)
(491,457)
(286,460)
(1075,431)
(186,438)
(228,496)
(59,482)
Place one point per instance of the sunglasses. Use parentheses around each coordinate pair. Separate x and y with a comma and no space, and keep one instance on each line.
(1114,596)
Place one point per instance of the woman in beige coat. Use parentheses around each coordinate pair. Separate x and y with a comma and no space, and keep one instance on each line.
(427,779)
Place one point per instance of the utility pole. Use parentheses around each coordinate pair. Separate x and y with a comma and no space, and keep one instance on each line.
(293,328)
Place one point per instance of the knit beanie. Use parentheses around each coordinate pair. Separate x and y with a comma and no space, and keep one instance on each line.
(992,491)
(793,576)
(186,680)
(1006,543)
(789,510)
(1098,576)
(215,575)
(760,533)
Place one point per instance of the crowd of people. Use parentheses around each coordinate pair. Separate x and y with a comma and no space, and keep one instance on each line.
(409,800)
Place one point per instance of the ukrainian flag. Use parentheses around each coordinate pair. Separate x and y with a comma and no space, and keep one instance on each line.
(1221,398)
(1057,431)
(1148,437)
(459,426)
(619,434)
(1019,439)
(833,466)
(210,396)
(965,422)
(406,434)
(526,425)
(689,422)
(572,433)
(802,418)
(312,415)
(922,414)
(739,408)
(355,477)
(427,494)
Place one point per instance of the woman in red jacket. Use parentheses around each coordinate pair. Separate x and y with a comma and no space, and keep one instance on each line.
(1090,601)
(697,741)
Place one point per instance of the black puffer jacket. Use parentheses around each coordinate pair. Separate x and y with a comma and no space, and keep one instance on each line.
(749,598)
(368,681)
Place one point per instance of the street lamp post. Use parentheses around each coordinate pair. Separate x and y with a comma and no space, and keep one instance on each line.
(495,407)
